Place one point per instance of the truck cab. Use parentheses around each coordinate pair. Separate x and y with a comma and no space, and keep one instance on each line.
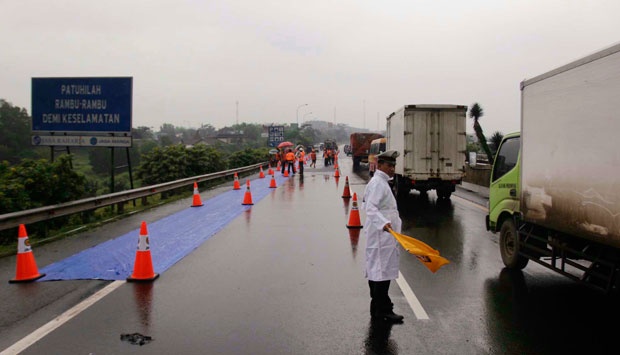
(504,184)
(377,146)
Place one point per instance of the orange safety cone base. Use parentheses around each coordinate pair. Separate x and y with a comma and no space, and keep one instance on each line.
(197,202)
(16,281)
(131,279)
(143,268)
(26,269)
(247,199)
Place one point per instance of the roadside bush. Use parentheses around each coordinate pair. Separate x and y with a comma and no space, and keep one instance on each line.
(177,162)
(38,183)
(248,157)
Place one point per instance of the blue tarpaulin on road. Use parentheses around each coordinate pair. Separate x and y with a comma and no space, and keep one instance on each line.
(170,238)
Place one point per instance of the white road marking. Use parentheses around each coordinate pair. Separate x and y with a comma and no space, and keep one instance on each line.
(38,334)
(415,305)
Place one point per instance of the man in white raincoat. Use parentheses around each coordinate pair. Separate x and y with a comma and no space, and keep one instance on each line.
(382,250)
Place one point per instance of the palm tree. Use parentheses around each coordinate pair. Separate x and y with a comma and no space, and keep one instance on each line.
(476,112)
(496,139)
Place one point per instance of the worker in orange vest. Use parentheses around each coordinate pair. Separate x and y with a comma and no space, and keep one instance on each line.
(301,158)
(290,161)
(313,158)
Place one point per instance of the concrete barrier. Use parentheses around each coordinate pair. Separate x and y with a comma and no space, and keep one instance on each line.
(477,179)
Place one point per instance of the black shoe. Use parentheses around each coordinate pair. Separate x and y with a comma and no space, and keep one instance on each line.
(389,317)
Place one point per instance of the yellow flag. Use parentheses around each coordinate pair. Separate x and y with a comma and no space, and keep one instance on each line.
(427,255)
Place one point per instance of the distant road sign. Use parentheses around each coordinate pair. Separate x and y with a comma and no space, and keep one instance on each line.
(276,135)
(82,105)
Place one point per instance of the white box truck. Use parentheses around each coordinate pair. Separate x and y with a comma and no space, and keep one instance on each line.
(432,145)
(555,186)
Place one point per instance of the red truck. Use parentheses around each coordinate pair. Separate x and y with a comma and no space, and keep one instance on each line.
(360,145)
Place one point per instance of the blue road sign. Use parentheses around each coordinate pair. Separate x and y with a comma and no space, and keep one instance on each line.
(86,105)
(276,135)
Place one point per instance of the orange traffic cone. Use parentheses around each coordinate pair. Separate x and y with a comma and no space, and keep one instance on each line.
(286,173)
(337,173)
(197,202)
(347,191)
(336,166)
(270,171)
(354,215)
(272,183)
(143,266)
(261,174)
(26,269)
(247,198)
(236,185)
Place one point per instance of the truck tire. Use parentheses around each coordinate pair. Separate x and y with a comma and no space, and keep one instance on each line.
(399,188)
(444,194)
(509,246)
(356,163)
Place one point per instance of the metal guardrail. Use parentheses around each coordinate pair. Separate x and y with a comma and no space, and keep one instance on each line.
(14,219)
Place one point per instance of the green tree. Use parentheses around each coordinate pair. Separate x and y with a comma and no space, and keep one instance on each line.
(496,139)
(247,157)
(176,162)
(168,135)
(142,132)
(15,134)
(476,112)
(38,183)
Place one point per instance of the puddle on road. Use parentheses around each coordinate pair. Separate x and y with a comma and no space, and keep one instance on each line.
(136,338)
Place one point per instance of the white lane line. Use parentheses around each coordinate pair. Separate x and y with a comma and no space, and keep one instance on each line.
(415,305)
(38,334)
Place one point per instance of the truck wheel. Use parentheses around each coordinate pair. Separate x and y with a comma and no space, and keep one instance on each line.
(444,194)
(356,163)
(509,246)
(399,189)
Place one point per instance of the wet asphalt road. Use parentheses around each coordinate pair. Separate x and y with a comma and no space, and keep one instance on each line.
(286,278)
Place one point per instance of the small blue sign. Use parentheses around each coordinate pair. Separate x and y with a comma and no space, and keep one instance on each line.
(85,105)
(276,135)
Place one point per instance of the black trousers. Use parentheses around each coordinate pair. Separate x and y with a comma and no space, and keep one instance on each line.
(380,301)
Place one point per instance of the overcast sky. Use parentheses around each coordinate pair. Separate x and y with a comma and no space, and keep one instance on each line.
(352,61)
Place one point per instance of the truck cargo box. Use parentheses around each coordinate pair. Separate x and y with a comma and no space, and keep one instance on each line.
(570,173)
(431,142)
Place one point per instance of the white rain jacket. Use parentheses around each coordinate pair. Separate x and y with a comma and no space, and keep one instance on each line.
(382,251)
